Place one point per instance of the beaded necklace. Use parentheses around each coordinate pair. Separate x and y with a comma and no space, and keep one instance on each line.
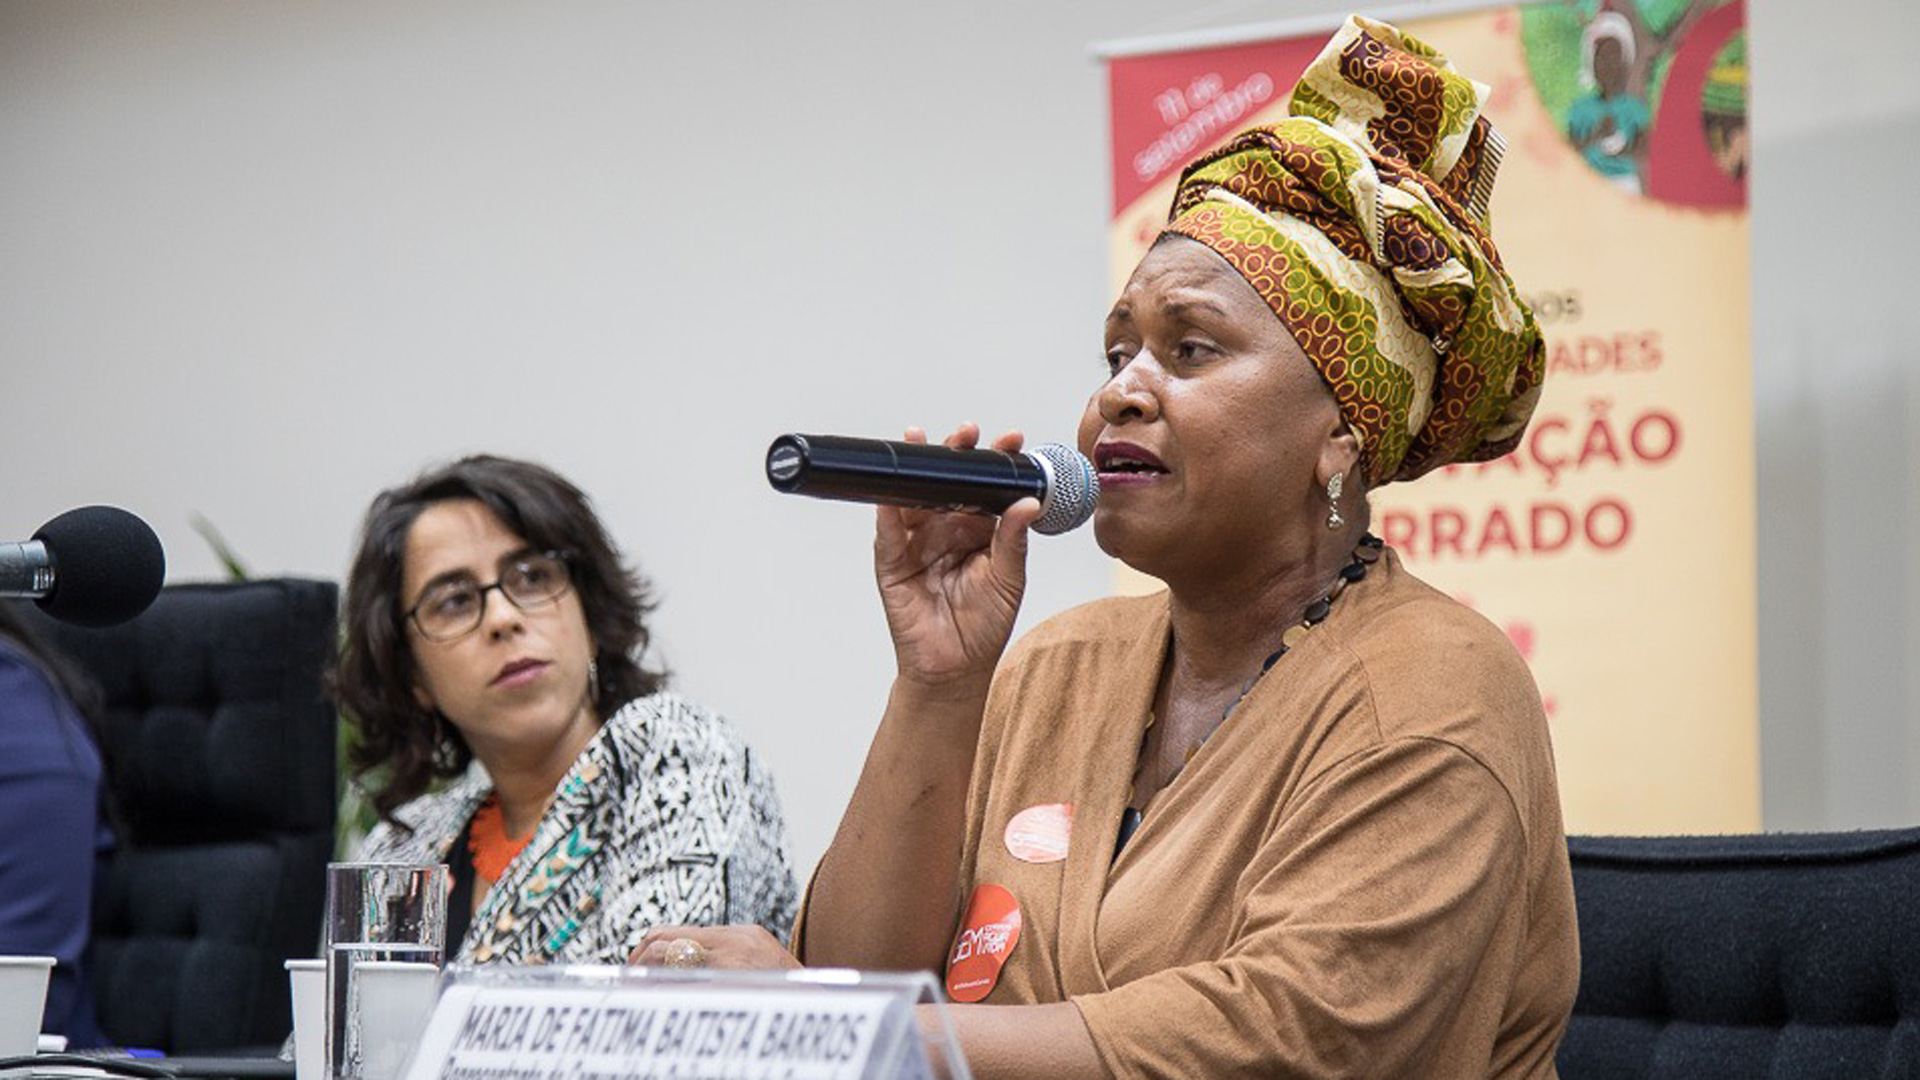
(1365,554)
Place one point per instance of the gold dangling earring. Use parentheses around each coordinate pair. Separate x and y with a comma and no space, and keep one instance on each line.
(1334,487)
(593,681)
(443,748)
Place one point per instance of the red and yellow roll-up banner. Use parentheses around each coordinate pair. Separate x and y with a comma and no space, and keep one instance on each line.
(1616,546)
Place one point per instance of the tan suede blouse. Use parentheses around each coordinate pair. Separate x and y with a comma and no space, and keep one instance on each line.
(1361,874)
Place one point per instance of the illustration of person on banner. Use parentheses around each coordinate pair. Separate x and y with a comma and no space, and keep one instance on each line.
(1625,54)
(1296,814)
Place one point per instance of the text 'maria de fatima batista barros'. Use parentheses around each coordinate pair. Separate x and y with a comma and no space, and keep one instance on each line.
(563,1034)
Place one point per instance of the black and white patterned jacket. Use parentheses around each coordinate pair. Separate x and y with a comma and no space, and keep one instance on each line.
(665,819)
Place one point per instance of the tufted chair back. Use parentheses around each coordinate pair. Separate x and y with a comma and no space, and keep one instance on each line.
(220,746)
(1776,955)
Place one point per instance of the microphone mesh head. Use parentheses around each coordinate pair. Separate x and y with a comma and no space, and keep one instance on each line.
(107,566)
(1072,488)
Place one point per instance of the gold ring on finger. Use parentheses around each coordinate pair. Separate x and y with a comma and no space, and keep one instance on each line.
(684,952)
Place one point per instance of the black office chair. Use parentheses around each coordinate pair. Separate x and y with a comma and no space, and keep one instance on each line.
(1724,957)
(221,749)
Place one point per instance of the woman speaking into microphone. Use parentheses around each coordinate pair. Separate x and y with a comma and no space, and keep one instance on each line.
(1296,814)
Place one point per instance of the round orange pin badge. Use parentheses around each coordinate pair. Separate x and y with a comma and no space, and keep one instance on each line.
(1039,834)
(987,937)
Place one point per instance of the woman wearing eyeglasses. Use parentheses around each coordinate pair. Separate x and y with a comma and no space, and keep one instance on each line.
(493,639)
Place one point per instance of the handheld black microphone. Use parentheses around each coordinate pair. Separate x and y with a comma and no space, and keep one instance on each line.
(95,566)
(937,477)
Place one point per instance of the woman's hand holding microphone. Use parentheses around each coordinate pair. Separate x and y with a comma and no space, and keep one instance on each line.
(951,583)
(884,895)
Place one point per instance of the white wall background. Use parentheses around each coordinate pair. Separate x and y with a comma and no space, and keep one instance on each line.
(259,260)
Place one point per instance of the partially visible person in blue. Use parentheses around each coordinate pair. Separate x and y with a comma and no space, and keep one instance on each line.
(54,834)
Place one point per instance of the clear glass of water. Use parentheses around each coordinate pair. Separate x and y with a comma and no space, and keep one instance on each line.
(376,911)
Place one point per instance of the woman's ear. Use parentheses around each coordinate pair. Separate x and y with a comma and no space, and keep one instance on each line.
(422,698)
(1339,453)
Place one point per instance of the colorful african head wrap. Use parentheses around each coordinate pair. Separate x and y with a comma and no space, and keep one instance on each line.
(1362,220)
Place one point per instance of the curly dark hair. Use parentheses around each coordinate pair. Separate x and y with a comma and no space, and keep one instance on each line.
(404,747)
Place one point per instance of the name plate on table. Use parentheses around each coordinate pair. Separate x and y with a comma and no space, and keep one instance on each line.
(612,1023)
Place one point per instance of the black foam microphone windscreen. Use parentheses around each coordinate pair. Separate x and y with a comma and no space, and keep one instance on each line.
(108,566)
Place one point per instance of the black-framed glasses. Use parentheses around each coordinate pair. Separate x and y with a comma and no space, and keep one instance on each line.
(453,609)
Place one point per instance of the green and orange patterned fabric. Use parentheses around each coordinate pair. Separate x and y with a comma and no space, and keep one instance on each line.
(1362,220)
